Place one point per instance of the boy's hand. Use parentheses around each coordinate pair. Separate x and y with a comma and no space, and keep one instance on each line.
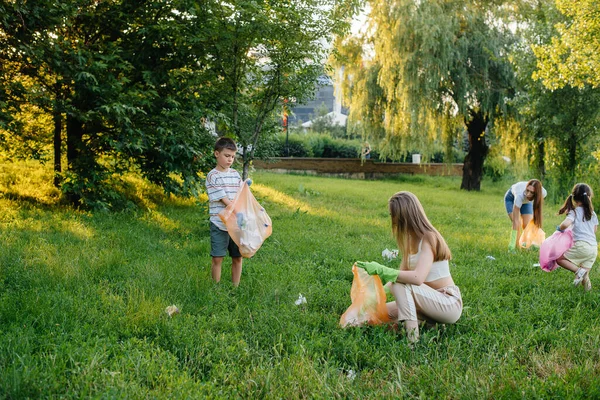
(386,274)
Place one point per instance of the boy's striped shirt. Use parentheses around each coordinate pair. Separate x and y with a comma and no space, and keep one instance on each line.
(219,185)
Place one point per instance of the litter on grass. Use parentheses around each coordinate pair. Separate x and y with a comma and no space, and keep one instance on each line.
(389,254)
(172,310)
(351,374)
(301,300)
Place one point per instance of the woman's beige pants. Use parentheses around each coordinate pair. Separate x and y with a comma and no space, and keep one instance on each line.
(425,303)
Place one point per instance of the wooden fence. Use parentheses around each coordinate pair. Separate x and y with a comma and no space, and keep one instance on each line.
(354,168)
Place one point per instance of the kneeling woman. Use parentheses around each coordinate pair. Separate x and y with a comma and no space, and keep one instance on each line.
(423,288)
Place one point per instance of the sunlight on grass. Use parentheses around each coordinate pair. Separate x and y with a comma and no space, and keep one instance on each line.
(28,181)
(77,229)
(36,221)
(158,219)
(289,202)
(142,311)
(295,205)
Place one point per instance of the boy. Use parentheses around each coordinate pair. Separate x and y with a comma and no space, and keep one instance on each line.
(222,184)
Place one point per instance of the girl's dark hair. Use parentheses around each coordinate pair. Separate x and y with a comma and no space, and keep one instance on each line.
(225,143)
(581,193)
(538,201)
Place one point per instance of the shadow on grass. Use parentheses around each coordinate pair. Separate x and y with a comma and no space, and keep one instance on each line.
(47,204)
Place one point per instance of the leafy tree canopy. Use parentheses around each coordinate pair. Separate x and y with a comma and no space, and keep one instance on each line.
(573,57)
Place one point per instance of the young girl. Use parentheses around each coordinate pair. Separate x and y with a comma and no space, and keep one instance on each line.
(423,288)
(580,214)
(522,201)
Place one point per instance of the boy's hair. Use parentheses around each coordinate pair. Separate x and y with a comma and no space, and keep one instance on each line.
(583,194)
(408,217)
(225,143)
(538,201)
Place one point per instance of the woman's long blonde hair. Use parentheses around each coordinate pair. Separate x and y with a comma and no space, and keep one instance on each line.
(408,217)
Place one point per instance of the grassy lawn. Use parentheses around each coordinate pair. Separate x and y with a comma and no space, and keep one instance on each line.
(83,297)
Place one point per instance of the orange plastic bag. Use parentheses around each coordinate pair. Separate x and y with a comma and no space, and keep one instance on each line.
(247,222)
(532,236)
(368,301)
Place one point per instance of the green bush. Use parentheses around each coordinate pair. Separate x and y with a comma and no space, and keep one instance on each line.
(318,145)
(495,167)
(296,147)
(340,148)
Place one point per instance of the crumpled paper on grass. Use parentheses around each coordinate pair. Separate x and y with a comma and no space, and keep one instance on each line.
(389,254)
(172,310)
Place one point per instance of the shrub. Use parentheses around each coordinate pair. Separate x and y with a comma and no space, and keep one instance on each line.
(318,145)
(495,167)
(296,146)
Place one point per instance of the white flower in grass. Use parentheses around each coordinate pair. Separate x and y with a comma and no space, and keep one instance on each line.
(351,374)
(301,300)
(172,310)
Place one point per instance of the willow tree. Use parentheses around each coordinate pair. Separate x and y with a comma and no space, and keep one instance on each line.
(436,61)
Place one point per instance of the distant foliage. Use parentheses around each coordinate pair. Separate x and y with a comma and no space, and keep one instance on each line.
(572,57)
(317,145)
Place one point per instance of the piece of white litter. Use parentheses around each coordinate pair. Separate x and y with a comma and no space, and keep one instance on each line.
(172,310)
(351,375)
(491,258)
(536,264)
(389,254)
(301,300)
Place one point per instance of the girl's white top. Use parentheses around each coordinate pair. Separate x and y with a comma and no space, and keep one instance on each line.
(518,190)
(439,269)
(583,230)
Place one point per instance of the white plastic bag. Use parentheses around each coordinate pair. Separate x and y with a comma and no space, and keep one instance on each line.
(247,222)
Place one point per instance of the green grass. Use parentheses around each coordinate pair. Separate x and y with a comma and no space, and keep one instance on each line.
(82,300)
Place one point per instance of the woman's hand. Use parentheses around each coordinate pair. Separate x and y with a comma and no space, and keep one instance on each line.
(386,274)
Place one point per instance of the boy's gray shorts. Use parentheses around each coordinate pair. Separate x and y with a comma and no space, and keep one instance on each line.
(221,242)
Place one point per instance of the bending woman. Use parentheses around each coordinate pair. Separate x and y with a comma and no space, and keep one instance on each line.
(423,287)
(522,201)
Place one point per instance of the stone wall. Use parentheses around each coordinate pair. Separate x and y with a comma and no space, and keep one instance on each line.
(354,168)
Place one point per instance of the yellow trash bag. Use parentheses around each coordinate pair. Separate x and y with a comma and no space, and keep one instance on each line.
(247,222)
(368,301)
(532,236)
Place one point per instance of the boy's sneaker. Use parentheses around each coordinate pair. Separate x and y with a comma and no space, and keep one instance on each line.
(579,275)
(587,284)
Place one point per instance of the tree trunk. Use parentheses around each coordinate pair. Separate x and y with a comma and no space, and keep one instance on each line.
(75,154)
(57,117)
(541,153)
(74,142)
(246,163)
(478,149)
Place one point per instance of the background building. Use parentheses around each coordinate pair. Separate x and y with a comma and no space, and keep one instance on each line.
(325,95)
